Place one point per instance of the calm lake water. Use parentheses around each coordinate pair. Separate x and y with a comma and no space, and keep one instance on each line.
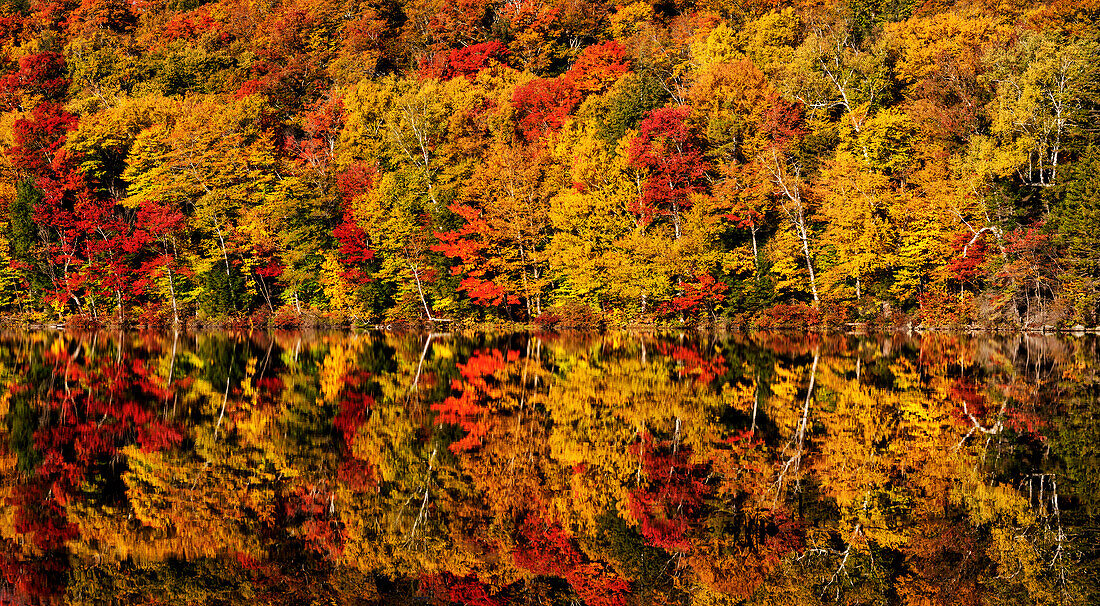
(607,469)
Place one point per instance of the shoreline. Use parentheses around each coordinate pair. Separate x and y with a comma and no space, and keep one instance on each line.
(468,327)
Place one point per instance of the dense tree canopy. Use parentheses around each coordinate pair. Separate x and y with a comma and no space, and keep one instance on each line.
(573,162)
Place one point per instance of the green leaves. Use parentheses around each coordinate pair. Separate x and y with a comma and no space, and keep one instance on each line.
(1075,215)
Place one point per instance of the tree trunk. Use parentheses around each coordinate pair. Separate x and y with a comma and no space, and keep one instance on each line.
(755,254)
(796,212)
(172,293)
(801,225)
(420,291)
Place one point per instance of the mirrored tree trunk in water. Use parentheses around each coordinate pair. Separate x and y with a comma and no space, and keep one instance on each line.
(616,469)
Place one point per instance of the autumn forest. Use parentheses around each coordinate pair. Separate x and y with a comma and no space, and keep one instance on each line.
(287,468)
(567,163)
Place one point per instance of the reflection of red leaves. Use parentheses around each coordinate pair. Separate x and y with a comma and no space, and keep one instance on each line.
(482,365)
(597,585)
(309,508)
(691,362)
(246,561)
(34,580)
(112,413)
(1017,415)
(745,438)
(355,406)
(103,404)
(38,514)
(322,537)
(667,507)
(270,386)
(1026,423)
(470,409)
(466,412)
(158,436)
(965,391)
(458,590)
(545,549)
(786,538)
(356,475)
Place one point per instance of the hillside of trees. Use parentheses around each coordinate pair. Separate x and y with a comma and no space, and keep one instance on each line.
(569,162)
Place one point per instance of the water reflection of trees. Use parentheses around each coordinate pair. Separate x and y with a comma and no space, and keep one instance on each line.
(514,469)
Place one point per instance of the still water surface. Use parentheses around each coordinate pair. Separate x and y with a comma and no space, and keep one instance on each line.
(609,469)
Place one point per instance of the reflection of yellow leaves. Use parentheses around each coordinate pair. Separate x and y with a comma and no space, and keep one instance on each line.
(384,438)
(197,508)
(5,401)
(333,371)
(607,400)
(986,503)
(785,405)
(741,396)
(442,352)
(561,442)
(248,387)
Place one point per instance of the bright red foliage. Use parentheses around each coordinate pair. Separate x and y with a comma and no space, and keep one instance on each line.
(469,245)
(597,67)
(966,270)
(355,251)
(542,105)
(783,123)
(703,293)
(189,25)
(321,124)
(39,74)
(671,153)
(465,62)
(355,181)
(38,141)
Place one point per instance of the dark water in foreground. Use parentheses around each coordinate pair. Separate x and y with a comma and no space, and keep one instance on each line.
(519,469)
